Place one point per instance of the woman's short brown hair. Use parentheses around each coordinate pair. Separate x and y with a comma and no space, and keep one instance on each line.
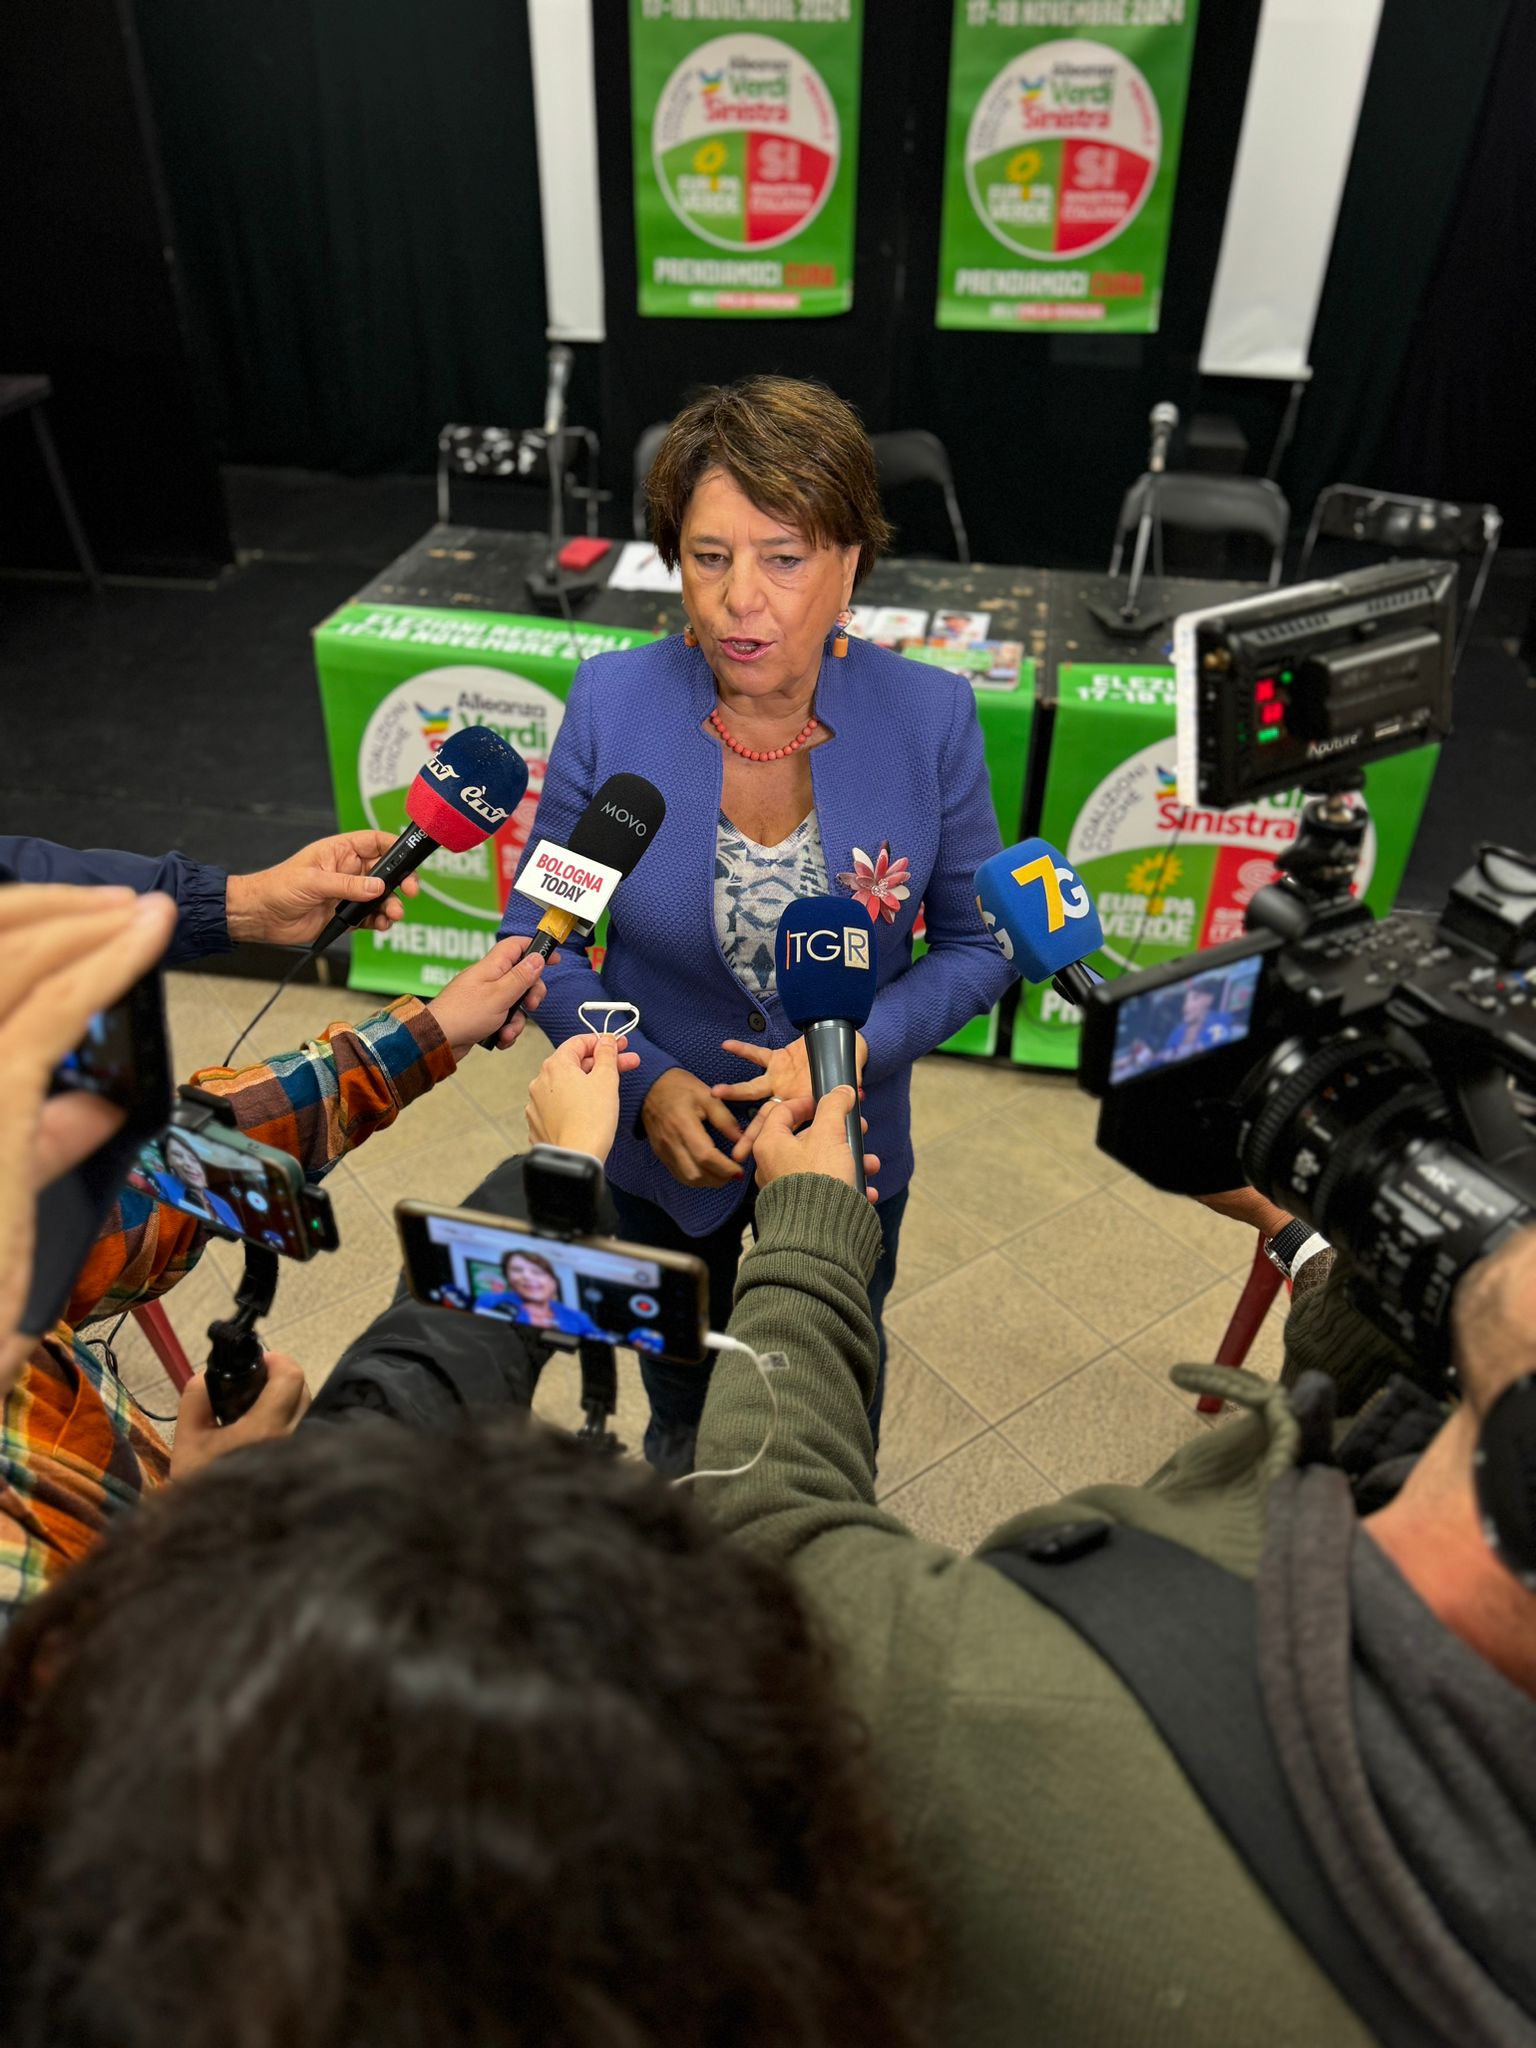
(793,446)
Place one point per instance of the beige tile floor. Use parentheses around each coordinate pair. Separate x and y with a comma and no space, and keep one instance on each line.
(1042,1293)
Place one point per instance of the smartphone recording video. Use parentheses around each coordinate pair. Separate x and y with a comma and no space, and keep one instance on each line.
(565,1288)
(124,1058)
(242,1188)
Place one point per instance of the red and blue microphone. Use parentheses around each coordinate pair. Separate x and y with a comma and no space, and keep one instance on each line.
(462,794)
(1038,909)
(824,957)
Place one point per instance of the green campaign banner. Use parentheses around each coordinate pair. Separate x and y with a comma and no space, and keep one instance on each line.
(394,682)
(1065,119)
(746,134)
(1167,877)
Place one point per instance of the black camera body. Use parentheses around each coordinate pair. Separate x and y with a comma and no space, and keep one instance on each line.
(1365,1075)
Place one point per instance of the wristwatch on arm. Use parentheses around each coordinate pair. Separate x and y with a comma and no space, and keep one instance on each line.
(1292,1246)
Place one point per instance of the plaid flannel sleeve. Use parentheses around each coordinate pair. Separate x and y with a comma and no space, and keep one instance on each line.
(317,1104)
(74,1447)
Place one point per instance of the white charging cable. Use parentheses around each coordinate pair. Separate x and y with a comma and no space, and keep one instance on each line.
(767,1363)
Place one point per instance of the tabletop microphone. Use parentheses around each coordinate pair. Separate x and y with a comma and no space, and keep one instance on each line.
(461,795)
(575,882)
(824,958)
(554,396)
(1164,418)
(1041,915)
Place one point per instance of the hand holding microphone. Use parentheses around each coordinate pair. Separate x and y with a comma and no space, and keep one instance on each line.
(825,967)
(575,882)
(466,791)
(1041,915)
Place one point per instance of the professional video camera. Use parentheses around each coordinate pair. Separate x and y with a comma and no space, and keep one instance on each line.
(1366,1075)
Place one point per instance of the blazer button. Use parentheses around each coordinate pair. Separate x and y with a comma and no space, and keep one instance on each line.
(757,1021)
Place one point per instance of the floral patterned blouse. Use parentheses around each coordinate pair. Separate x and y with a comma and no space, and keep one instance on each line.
(752,885)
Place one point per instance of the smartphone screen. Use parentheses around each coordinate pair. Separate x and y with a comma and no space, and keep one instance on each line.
(244,1188)
(566,1289)
(1166,1026)
(123,1056)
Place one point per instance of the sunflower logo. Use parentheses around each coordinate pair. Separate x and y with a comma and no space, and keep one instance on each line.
(1153,877)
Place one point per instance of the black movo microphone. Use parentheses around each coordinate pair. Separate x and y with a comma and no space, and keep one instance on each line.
(575,882)
(461,795)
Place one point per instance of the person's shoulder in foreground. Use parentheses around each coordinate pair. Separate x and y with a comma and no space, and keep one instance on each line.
(1077,1866)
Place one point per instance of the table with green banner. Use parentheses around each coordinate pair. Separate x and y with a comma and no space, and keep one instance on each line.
(1079,748)
(1166,876)
(437,642)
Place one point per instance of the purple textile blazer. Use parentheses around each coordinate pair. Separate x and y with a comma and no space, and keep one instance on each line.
(904,767)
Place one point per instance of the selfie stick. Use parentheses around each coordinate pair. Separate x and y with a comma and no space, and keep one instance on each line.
(562,1189)
(236,1372)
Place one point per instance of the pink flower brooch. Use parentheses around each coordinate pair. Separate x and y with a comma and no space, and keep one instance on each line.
(879,884)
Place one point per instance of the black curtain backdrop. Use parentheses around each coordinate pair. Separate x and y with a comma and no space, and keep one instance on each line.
(1044,431)
(355,187)
(1422,114)
(1463,425)
(89,297)
(356,191)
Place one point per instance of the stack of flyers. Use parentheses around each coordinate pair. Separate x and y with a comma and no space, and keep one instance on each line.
(887,625)
(986,664)
(958,629)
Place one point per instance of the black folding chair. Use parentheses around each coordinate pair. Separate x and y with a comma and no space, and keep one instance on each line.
(1390,524)
(515,455)
(31,394)
(1197,501)
(911,455)
(646,449)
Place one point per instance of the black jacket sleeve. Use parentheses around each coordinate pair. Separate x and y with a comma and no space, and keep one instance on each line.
(199,890)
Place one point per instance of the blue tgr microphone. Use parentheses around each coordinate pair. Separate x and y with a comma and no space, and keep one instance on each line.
(824,957)
(1041,915)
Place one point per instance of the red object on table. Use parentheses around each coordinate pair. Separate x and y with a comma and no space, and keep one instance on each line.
(582,552)
(1259,1290)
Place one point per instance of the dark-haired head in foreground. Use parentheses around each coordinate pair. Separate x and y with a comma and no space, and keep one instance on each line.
(373,1738)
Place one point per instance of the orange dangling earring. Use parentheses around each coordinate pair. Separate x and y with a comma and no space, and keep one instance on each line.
(690,638)
(840,644)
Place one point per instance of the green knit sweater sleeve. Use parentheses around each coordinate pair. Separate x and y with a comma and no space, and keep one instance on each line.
(802,1292)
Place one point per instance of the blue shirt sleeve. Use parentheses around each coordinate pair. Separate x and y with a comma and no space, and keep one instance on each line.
(963,973)
(201,927)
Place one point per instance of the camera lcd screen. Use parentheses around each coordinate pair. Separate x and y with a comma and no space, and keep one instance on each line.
(562,1288)
(1166,1026)
(234,1189)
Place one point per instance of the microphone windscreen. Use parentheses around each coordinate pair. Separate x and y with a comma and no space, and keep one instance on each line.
(1037,909)
(620,822)
(468,789)
(824,956)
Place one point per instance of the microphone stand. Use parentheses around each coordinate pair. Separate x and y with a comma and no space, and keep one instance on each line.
(551,586)
(1127,621)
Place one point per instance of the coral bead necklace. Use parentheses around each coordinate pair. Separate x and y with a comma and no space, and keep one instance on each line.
(806,732)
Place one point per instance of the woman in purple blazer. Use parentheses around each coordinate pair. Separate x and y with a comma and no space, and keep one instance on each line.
(795,761)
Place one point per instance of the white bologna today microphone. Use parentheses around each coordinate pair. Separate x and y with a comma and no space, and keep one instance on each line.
(574,882)
(1040,913)
(825,967)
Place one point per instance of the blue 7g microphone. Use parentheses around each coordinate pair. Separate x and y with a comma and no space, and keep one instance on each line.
(1041,916)
(824,955)
(461,795)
